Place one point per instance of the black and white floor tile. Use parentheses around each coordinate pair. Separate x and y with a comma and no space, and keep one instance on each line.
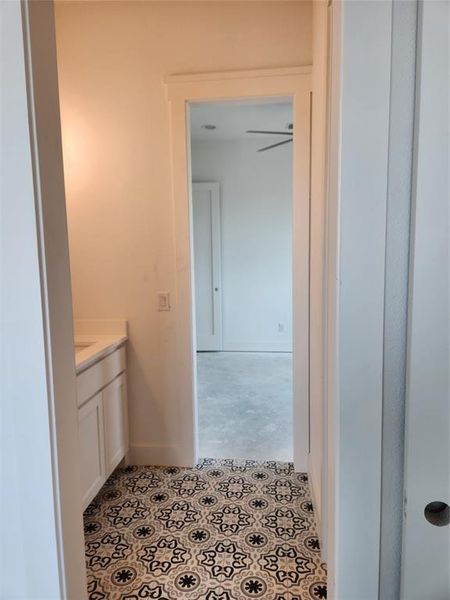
(225,530)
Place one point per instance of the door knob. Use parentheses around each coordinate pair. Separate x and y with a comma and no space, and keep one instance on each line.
(437,513)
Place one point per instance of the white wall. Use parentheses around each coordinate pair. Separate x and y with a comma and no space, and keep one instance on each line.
(367,224)
(113,57)
(42,545)
(358,203)
(256,219)
(28,528)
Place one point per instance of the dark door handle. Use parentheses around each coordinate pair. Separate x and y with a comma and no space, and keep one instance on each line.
(437,513)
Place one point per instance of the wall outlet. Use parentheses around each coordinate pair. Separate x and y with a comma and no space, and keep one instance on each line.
(163,301)
(281,327)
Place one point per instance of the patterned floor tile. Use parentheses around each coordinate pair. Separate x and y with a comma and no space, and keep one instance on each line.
(225,530)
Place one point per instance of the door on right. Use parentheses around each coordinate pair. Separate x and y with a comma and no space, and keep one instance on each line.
(207,260)
(426,529)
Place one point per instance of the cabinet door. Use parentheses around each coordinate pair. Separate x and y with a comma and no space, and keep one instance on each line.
(116,426)
(92,448)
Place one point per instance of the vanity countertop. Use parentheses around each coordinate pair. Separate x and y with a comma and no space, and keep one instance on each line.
(89,348)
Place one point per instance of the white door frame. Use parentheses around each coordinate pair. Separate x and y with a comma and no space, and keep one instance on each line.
(214,188)
(358,151)
(43,540)
(292,82)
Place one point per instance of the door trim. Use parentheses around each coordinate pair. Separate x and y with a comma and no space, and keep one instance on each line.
(54,268)
(293,83)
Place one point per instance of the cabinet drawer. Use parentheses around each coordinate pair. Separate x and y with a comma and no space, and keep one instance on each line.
(95,378)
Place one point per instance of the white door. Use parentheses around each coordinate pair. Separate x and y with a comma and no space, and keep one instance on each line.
(207,258)
(92,448)
(116,427)
(426,543)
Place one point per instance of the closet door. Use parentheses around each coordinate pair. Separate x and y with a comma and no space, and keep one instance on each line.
(207,260)
(426,547)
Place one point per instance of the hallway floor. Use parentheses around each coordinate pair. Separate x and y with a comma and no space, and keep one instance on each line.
(245,405)
(225,530)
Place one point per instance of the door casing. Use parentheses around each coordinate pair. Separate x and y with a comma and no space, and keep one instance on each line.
(293,83)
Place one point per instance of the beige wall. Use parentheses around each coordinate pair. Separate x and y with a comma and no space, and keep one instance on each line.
(113,57)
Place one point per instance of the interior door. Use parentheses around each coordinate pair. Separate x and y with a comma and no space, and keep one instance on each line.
(207,259)
(426,543)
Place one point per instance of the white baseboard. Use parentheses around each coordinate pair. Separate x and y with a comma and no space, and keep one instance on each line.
(269,346)
(158,455)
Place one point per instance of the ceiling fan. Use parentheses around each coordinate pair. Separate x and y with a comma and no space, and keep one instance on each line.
(289,133)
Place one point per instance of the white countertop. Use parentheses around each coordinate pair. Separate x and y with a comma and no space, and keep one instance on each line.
(89,348)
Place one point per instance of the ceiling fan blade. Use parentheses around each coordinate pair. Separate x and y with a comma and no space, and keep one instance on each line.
(270,132)
(274,145)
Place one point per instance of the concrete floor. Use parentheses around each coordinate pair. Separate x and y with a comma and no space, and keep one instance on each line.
(245,405)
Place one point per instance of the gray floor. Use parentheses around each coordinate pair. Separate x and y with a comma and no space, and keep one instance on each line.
(245,405)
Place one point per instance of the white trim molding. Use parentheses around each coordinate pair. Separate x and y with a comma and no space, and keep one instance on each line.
(356,249)
(293,83)
(244,74)
(42,523)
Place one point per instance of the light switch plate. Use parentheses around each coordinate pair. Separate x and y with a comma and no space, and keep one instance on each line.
(163,301)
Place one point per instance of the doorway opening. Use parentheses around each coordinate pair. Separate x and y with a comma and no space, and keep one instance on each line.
(241,173)
(260,86)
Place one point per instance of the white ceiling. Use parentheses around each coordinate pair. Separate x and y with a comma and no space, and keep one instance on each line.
(232,119)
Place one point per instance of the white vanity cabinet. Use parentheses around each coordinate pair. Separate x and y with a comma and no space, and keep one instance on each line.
(102,421)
